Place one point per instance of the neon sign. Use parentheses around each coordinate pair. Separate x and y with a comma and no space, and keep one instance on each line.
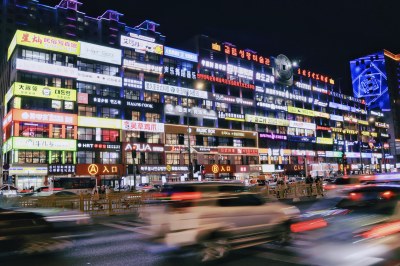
(316,76)
(225,81)
(242,53)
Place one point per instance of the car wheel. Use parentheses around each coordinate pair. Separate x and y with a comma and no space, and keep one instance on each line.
(213,249)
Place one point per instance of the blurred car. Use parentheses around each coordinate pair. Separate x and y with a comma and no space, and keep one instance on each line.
(8,190)
(362,228)
(32,231)
(207,220)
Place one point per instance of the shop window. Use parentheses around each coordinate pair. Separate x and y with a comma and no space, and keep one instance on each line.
(152,117)
(86,157)
(153,137)
(57,132)
(110,135)
(27,156)
(108,112)
(69,155)
(86,133)
(56,157)
(109,158)
(69,132)
(87,110)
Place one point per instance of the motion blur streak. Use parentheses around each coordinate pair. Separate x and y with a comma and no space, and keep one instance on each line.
(383,230)
(308,225)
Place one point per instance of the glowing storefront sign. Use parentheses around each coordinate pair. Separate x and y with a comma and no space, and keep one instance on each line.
(143,147)
(320,90)
(172,52)
(376,113)
(319,103)
(180,72)
(304,125)
(266,120)
(142,126)
(132,64)
(213,65)
(96,145)
(302,85)
(50,69)
(141,45)
(247,54)
(163,168)
(328,141)
(22,143)
(339,106)
(363,122)
(265,77)
(27,170)
(44,117)
(44,42)
(313,75)
(194,111)
(24,89)
(273,136)
(321,114)
(86,121)
(382,125)
(133,83)
(336,118)
(272,106)
(225,81)
(164,88)
(100,53)
(240,71)
(231,99)
(300,111)
(245,151)
(231,116)
(99,169)
(99,78)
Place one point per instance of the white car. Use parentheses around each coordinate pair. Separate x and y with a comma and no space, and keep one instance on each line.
(209,219)
(8,191)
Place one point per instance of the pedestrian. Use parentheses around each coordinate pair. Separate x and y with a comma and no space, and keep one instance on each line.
(309,182)
(318,184)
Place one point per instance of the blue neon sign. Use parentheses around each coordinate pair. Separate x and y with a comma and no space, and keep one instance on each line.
(168,51)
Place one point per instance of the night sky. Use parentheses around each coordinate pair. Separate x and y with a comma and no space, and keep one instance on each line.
(323,34)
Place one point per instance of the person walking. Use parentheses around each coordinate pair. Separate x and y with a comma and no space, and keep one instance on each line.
(309,182)
(318,184)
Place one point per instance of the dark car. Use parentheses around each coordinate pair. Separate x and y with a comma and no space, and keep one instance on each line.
(362,228)
(32,231)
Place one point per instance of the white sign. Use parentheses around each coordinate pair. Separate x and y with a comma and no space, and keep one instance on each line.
(21,143)
(99,78)
(194,111)
(47,117)
(336,118)
(142,37)
(305,125)
(100,53)
(168,51)
(87,121)
(240,71)
(142,126)
(302,85)
(132,64)
(163,88)
(180,72)
(28,170)
(133,83)
(265,77)
(141,45)
(211,64)
(39,67)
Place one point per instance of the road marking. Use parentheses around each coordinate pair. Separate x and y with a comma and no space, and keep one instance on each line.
(131,223)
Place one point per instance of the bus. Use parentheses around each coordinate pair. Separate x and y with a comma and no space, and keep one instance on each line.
(78,185)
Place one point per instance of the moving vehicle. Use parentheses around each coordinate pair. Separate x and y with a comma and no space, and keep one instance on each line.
(207,220)
(8,191)
(362,228)
(26,231)
(77,185)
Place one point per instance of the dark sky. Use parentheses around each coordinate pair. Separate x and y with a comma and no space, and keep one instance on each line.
(323,34)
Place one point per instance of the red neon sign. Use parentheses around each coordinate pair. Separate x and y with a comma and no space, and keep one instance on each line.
(313,75)
(225,81)
(244,54)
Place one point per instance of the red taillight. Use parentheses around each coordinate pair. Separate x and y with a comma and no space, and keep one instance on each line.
(355,196)
(382,230)
(329,187)
(186,196)
(387,194)
(308,225)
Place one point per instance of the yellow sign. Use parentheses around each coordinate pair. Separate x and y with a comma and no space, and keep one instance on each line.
(215,168)
(266,120)
(336,129)
(93,169)
(215,46)
(328,141)
(363,122)
(321,114)
(374,134)
(300,111)
(44,42)
(17,103)
(365,133)
(87,121)
(350,131)
(40,91)
(169,167)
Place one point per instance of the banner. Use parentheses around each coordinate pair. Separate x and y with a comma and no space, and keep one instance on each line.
(25,89)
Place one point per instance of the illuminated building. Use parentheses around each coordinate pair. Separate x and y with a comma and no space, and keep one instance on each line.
(114,108)
(375,78)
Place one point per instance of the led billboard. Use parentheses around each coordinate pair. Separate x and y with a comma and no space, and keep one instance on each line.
(369,79)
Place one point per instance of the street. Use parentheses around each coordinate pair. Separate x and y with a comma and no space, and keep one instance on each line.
(113,241)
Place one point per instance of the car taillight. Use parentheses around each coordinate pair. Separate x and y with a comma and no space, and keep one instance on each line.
(387,194)
(186,196)
(329,187)
(382,230)
(308,225)
(355,196)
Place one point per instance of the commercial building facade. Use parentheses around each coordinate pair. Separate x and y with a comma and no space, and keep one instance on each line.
(126,108)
